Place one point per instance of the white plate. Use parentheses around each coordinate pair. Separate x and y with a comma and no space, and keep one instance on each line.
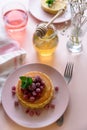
(37,12)
(47,117)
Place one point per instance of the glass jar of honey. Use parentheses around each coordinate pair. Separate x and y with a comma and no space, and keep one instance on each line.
(46,45)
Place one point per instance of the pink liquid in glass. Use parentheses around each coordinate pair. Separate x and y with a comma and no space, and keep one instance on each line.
(15,19)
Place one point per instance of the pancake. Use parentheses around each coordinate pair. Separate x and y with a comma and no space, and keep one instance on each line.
(45,96)
(55,7)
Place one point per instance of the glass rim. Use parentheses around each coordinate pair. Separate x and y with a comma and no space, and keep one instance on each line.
(8,6)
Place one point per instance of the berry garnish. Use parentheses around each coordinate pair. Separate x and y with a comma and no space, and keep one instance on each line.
(27,111)
(38,90)
(37,84)
(31,113)
(25,96)
(56,88)
(32,88)
(13,90)
(32,99)
(34,93)
(16,103)
(38,112)
(37,79)
(47,106)
(52,106)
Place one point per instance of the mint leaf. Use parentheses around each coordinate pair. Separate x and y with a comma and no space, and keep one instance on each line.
(50,2)
(26,81)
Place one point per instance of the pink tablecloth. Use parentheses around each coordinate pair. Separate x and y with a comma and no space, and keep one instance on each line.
(75,115)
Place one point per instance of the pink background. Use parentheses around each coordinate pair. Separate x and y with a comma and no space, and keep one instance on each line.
(76,113)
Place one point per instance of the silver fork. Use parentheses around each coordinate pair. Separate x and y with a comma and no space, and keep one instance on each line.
(68,72)
(68,76)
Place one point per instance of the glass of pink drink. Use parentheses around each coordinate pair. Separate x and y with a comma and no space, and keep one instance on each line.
(15,16)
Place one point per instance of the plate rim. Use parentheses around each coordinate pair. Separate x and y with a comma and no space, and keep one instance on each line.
(49,15)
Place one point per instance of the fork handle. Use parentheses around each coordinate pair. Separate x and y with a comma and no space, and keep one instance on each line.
(60,120)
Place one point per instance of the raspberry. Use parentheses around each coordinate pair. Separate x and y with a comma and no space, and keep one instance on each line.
(56,88)
(34,93)
(25,96)
(13,88)
(31,113)
(27,111)
(38,113)
(47,107)
(32,99)
(52,106)
(13,92)
(16,103)
(38,90)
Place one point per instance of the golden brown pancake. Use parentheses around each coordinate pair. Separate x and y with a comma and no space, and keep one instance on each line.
(46,95)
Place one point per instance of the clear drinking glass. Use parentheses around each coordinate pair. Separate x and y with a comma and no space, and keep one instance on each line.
(78,20)
(15,16)
(46,45)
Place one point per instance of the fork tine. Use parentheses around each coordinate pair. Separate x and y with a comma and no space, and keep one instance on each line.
(66,69)
(71,70)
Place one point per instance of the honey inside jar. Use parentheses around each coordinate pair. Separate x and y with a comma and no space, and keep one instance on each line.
(47,44)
